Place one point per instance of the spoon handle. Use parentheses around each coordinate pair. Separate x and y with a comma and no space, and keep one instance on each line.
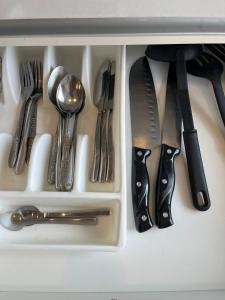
(52,157)
(67,159)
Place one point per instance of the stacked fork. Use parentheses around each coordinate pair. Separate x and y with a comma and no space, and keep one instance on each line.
(31,92)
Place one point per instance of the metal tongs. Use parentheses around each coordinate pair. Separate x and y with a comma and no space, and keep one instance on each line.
(31,215)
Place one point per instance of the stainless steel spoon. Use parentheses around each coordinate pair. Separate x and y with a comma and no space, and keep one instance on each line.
(30,215)
(70,99)
(56,76)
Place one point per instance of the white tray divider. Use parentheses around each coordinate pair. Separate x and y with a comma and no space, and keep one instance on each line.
(9,181)
(38,166)
(49,63)
(124,151)
(81,163)
(11,68)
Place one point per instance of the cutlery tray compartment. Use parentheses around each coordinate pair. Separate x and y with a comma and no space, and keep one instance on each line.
(32,186)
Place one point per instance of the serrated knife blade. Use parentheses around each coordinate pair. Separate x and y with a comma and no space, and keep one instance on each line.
(145,137)
(144,108)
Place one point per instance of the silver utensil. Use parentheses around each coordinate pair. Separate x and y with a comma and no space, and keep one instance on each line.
(31,215)
(30,109)
(56,76)
(100,94)
(27,86)
(70,99)
(37,69)
(109,137)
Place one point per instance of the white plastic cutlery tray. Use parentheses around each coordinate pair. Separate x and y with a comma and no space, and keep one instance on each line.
(31,187)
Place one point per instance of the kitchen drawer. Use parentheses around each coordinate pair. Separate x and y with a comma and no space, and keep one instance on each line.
(186,256)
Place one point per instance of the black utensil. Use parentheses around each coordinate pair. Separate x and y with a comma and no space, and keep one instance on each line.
(145,137)
(208,66)
(217,49)
(179,54)
(171,142)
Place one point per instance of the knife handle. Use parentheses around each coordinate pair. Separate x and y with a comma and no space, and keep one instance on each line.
(165,186)
(200,194)
(140,189)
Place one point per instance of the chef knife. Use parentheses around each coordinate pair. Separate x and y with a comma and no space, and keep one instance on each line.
(171,141)
(145,137)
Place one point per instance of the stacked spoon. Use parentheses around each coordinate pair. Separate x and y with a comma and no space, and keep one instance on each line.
(67,94)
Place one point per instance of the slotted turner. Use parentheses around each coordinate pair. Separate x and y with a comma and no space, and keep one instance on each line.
(209,67)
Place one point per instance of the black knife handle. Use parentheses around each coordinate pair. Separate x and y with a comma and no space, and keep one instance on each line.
(200,194)
(165,186)
(140,189)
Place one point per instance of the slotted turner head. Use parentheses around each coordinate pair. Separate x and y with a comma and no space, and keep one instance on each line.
(206,66)
(218,50)
(168,53)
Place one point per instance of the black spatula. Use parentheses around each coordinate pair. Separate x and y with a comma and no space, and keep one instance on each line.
(209,67)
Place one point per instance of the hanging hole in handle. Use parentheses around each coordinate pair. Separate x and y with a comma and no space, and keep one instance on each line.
(202,201)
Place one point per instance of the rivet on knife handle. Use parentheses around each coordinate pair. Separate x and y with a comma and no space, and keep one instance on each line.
(165,186)
(140,189)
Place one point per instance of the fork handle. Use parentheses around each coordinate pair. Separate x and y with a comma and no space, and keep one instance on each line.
(17,137)
(97,150)
(110,148)
(220,98)
(103,160)
(23,145)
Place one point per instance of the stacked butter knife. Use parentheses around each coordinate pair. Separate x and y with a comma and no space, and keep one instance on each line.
(31,75)
(103,161)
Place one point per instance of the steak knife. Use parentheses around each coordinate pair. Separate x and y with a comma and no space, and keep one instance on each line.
(145,137)
(171,142)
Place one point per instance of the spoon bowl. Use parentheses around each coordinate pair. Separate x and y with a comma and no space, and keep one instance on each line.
(55,77)
(70,95)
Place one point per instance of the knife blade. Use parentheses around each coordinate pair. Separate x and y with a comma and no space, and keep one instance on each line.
(171,143)
(145,137)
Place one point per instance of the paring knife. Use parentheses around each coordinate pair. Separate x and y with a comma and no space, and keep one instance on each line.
(171,142)
(145,137)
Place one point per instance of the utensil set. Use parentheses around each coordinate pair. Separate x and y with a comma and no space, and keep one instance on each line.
(146,131)
(31,215)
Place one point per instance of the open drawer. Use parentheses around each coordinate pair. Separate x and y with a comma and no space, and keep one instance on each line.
(187,250)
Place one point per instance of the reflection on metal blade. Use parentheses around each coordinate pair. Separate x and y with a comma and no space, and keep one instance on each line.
(172,120)
(144,108)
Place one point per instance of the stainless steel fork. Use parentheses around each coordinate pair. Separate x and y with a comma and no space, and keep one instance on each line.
(31,109)
(27,86)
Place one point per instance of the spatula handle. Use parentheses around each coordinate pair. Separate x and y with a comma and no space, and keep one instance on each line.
(200,194)
(140,189)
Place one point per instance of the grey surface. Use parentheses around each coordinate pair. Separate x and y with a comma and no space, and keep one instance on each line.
(12,9)
(90,26)
(191,295)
